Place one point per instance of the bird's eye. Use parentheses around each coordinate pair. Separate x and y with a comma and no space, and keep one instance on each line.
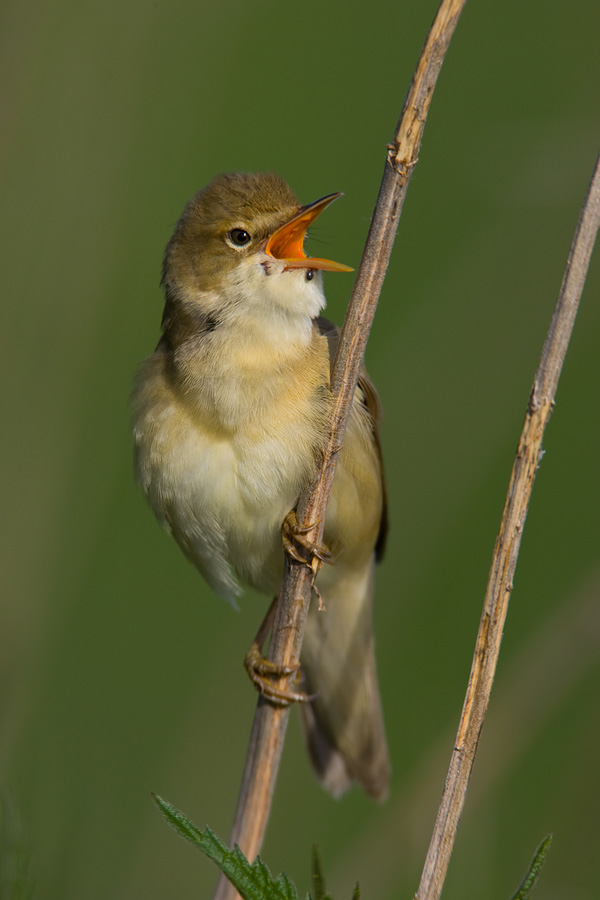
(238,237)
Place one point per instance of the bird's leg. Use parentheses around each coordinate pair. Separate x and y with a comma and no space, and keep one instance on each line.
(293,533)
(260,669)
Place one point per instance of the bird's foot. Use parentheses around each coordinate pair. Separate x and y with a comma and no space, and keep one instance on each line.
(293,533)
(261,670)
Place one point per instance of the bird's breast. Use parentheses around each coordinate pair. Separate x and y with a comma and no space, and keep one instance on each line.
(223,460)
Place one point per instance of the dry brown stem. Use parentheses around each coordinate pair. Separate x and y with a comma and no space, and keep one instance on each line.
(504,560)
(270,722)
(539,683)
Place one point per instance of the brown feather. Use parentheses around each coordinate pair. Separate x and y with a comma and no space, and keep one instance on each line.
(373,405)
(344,724)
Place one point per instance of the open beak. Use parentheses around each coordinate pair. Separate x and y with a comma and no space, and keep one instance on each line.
(287,243)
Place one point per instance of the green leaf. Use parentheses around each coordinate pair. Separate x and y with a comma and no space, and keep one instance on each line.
(253,881)
(534,870)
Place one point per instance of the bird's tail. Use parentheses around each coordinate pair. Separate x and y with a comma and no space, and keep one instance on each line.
(344,723)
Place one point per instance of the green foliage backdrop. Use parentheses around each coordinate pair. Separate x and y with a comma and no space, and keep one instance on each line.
(121,674)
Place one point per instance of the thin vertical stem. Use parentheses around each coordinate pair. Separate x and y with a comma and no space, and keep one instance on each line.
(270,722)
(506,550)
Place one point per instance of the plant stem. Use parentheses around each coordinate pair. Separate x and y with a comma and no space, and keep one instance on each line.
(270,722)
(506,550)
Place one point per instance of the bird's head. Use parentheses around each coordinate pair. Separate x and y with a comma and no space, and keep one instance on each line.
(238,250)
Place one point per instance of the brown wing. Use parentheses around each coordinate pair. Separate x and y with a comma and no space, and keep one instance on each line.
(370,400)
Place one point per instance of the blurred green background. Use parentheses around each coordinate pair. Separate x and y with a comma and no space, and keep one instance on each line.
(120,673)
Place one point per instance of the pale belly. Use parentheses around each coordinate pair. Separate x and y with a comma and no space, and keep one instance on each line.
(224,496)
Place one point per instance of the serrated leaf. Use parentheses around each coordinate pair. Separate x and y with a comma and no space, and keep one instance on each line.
(253,881)
(534,870)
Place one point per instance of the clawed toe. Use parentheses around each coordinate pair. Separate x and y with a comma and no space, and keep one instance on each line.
(293,534)
(261,670)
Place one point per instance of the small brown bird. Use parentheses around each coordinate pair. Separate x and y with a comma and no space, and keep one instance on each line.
(229,419)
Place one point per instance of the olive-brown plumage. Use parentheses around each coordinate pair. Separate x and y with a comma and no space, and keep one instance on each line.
(229,418)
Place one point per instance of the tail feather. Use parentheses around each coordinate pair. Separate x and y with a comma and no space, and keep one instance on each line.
(344,723)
